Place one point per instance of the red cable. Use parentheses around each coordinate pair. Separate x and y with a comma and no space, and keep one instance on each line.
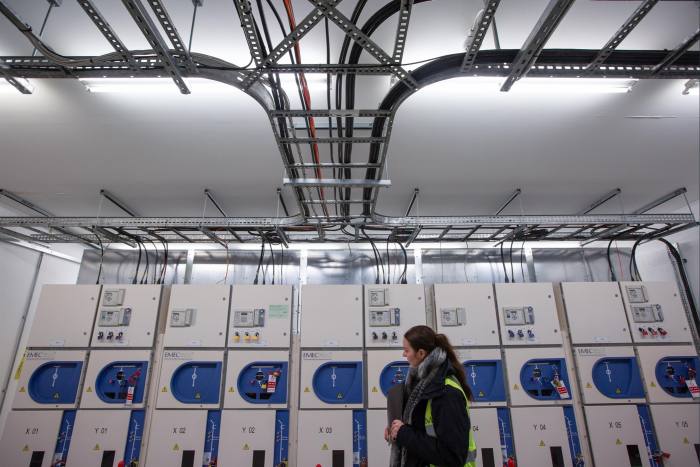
(307,100)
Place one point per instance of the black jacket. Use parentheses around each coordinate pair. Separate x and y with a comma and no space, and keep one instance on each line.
(451,423)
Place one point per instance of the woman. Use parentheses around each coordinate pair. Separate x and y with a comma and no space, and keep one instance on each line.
(435,429)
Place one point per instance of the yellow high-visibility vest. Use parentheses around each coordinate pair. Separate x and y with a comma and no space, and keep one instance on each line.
(430,429)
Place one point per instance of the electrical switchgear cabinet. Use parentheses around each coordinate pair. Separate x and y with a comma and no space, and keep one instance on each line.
(49,379)
(190,379)
(544,436)
(527,314)
(596,313)
(177,438)
(261,316)
(64,316)
(466,314)
(616,435)
(609,375)
(257,438)
(331,379)
(385,368)
(655,312)
(532,372)
(29,438)
(256,380)
(331,316)
(116,379)
(390,311)
(325,438)
(670,373)
(106,438)
(126,316)
(485,375)
(197,316)
(678,429)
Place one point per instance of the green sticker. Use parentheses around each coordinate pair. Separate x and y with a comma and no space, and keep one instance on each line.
(279,311)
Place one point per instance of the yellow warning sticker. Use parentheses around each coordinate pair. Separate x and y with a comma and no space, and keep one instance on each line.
(22,389)
(18,373)
(25,448)
(164,389)
(685,441)
(653,384)
(246,447)
(541,443)
(618,391)
(481,394)
(306,389)
(89,389)
(516,387)
(176,447)
(230,389)
(618,442)
(96,448)
(589,386)
(374,389)
(324,447)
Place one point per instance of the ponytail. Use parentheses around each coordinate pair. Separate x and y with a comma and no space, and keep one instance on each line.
(423,337)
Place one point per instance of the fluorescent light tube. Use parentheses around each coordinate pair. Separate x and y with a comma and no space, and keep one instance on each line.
(542,86)
(152,85)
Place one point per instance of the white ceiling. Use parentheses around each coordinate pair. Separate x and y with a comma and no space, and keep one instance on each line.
(465,152)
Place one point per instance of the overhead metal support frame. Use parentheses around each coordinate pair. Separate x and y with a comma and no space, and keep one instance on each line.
(150,32)
(262,63)
(620,35)
(101,23)
(530,51)
(171,31)
(473,45)
(647,207)
(43,212)
(402,30)
(19,83)
(676,53)
(327,7)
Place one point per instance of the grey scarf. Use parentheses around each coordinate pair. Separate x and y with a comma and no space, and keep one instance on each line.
(416,382)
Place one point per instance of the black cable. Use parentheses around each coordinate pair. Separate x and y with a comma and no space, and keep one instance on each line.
(388,261)
(260,261)
(156,273)
(138,261)
(684,279)
(402,278)
(512,272)
(522,253)
(330,119)
(145,272)
(102,257)
(634,270)
(357,11)
(272,254)
(374,251)
(613,276)
(503,262)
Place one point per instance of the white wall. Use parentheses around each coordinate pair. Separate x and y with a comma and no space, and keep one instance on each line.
(24,270)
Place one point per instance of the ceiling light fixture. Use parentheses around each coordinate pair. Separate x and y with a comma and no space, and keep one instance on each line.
(316,82)
(543,86)
(152,85)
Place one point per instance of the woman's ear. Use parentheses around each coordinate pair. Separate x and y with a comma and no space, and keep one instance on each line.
(421,354)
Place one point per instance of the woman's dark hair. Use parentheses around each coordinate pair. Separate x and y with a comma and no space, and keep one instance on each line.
(423,337)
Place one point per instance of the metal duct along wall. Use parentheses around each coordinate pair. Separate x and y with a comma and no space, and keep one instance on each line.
(357,266)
